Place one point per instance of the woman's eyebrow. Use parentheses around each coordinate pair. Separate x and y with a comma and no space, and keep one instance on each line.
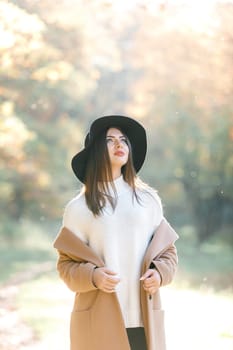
(115,136)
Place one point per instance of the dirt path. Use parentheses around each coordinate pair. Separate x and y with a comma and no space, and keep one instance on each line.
(14,333)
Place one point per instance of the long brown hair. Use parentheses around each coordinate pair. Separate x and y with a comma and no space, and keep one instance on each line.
(98,177)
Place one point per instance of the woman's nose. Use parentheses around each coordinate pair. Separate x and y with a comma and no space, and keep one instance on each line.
(118,143)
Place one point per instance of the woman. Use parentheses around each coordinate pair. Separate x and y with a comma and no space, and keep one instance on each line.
(115,247)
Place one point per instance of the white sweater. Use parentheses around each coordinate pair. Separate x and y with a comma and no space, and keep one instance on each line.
(120,238)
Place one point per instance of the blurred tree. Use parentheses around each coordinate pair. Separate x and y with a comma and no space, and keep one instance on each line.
(64,63)
(186,92)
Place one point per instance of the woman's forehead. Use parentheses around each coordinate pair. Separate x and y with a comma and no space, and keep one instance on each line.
(114,132)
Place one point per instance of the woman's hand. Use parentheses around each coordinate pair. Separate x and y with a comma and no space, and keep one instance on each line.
(151,281)
(105,279)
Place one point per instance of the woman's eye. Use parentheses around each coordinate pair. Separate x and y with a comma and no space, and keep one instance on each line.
(112,141)
(109,140)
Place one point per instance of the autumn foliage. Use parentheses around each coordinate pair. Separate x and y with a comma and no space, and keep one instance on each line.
(64,63)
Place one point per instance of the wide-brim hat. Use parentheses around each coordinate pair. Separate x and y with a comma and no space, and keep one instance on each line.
(130,127)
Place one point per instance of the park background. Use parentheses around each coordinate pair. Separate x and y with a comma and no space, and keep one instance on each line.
(168,64)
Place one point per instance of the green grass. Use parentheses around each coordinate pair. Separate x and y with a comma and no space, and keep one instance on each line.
(205,266)
(208,265)
(30,247)
(17,261)
(39,301)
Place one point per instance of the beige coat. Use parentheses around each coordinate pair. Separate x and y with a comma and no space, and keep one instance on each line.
(96,320)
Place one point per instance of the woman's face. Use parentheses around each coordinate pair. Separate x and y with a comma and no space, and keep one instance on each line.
(117,146)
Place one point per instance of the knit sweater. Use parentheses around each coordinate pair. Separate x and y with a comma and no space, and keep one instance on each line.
(120,237)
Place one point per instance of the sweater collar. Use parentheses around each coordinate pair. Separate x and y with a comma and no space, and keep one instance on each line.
(121,186)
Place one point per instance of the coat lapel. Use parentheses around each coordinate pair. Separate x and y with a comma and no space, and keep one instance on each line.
(69,243)
(163,237)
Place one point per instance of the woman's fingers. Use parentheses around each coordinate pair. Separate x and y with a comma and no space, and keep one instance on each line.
(151,281)
(105,279)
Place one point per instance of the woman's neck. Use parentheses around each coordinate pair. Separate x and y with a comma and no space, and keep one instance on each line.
(116,173)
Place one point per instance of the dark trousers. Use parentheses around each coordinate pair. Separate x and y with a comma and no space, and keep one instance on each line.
(137,338)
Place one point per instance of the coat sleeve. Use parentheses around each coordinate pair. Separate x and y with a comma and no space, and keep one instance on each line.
(77,275)
(166,264)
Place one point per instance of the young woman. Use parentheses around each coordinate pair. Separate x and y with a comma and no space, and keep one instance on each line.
(115,247)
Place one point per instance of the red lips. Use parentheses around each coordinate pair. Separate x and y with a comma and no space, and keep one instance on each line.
(119,153)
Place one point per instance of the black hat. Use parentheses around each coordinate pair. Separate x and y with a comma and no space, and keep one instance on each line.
(132,129)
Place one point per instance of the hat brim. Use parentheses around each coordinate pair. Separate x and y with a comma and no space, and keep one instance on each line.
(133,130)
